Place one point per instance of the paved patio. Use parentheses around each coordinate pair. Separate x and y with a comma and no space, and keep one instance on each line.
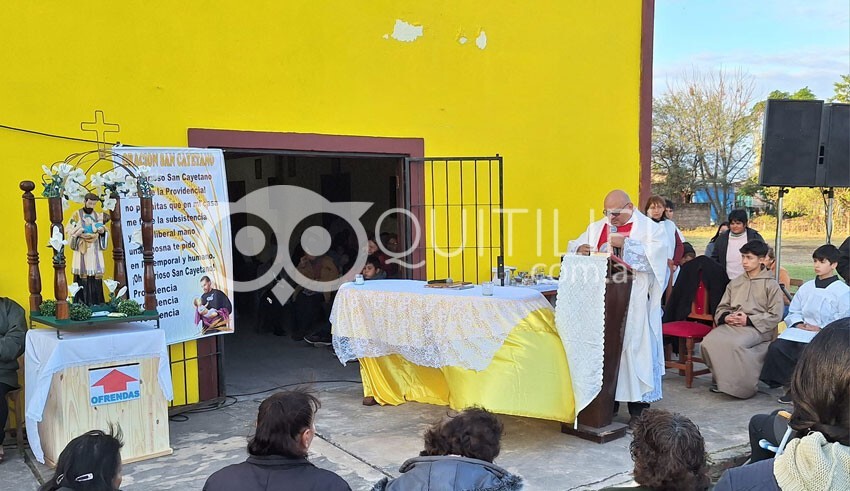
(363,444)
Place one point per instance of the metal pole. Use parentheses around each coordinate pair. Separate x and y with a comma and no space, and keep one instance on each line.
(778,244)
(501,258)
(408,226)
(830,203)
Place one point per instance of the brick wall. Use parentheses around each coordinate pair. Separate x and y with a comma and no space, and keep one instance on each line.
(692,215)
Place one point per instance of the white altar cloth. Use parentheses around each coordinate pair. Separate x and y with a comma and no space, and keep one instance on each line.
(580,319)
(432,327)
(46,355)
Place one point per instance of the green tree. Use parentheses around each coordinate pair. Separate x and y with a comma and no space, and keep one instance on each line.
(842,90)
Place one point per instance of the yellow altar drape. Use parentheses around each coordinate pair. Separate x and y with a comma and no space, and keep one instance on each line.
(528,376)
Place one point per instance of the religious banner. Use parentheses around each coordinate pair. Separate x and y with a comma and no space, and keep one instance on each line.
(191,240)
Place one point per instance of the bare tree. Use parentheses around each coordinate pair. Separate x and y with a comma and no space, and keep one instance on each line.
(673,163)
(712,144)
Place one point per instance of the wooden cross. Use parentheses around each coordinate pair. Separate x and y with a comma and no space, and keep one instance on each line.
(100,128)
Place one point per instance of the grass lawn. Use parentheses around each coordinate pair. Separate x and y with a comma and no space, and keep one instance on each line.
(796,254)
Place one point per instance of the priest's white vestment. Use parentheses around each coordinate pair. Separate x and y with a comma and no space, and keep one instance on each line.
(642,358)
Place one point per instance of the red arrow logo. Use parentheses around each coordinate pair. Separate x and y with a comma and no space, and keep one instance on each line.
(114,381)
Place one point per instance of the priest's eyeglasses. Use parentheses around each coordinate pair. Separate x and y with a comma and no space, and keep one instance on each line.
(614,212)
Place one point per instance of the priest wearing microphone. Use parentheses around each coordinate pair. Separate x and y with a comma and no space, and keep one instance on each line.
(640,242)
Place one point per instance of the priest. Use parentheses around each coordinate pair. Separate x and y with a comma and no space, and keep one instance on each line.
(640,242)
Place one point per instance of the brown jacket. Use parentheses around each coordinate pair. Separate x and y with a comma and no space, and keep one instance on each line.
(321,268)
(736,354)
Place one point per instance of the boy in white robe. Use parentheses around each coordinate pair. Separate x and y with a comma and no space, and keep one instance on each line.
(817,303)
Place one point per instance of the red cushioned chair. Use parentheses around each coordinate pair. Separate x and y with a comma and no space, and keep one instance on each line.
(690,332)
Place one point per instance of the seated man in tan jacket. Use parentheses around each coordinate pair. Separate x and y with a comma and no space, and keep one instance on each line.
(747,318)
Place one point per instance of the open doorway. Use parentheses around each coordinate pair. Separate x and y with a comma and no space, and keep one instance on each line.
(268,349)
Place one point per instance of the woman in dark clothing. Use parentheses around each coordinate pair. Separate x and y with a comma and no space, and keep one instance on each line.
(90,462)
(844,260)
(13,330)
(458,456)
(709,248)
(278,451)
(817,458)
(730,242)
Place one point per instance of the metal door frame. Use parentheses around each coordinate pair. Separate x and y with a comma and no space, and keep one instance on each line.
(415,201)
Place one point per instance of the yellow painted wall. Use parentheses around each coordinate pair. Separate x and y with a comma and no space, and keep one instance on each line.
(555,91)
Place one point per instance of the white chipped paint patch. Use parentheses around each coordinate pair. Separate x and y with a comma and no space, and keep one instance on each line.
(481,40)
(406,32)
(462,40)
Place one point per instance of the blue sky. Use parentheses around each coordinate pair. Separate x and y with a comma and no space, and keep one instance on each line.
(782,44)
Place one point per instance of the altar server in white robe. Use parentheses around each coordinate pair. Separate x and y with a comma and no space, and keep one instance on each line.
(642,243)
(817,303)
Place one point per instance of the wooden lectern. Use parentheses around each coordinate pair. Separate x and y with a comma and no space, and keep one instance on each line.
(595,422)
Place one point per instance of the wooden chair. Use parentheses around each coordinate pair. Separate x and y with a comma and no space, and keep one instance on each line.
(15,399)
(689,332)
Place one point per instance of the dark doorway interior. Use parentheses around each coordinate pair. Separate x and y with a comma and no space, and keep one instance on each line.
(254,358)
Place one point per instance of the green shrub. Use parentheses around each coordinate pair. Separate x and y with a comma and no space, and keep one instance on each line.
(129,307)
(47,308)
(79,312)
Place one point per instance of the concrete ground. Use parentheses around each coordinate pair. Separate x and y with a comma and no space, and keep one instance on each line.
(363,444)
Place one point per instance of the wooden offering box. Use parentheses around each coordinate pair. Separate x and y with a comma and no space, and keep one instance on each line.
(69,413)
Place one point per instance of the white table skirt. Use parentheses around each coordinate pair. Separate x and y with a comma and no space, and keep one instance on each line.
(428,326)
(46,355)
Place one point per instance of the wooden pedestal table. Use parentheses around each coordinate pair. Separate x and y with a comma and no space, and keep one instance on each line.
(117,376)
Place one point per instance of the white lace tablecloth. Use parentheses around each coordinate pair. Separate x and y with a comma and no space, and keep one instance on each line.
(46,355)
(580,319)
(428,326)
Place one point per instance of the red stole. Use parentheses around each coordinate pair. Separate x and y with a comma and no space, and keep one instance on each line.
(623,230)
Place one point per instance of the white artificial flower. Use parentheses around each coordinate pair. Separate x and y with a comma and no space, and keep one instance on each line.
(136,238)
(113,177)
(77,175)
(64,169)
(73,288)
(109,204)
(131,183)
(75,192)
(46,170)
(111,285)
(121,292)
(65,204)
(143,171)
(57,241)
(97,180)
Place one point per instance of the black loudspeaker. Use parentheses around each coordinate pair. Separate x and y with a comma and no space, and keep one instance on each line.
(789,153)
(833,169)
(806,144)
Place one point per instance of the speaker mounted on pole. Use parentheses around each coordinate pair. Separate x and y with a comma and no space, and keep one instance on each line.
(805,144)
